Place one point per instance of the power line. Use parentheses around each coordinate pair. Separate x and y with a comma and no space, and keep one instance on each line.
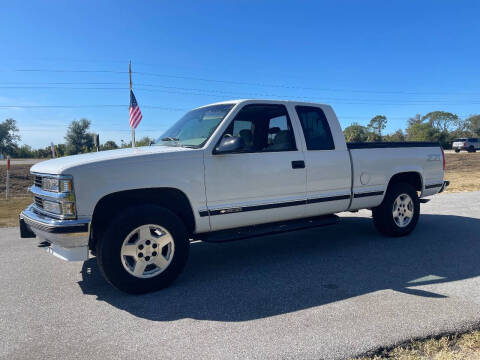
(284,96)
(258,84)
(72,71)
(208,92)
(40,84)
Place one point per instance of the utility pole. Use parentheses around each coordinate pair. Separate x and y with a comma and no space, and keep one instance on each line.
(130,73)
(96,141)
(52,148)
(7,182)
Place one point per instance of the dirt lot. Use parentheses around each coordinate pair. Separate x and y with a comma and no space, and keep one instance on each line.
(463,171)
(20,180)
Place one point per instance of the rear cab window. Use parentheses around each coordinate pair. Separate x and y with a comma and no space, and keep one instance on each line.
(316,130)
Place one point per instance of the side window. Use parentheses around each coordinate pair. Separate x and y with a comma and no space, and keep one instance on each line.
(315,128)
(240,125)
(263,128)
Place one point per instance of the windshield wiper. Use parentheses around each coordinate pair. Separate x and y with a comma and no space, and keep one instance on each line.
(168,138)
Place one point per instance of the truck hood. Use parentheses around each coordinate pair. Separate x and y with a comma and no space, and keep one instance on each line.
(61,165)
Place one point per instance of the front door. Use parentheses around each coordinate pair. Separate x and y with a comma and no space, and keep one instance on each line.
(263,182)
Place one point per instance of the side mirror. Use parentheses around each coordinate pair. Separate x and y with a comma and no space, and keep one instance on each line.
(229,145)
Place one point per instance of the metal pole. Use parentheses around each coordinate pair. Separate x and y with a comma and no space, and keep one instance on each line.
(52,147)
(130,74)
(7,183)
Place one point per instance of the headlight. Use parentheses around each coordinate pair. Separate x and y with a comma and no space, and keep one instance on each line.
(56,185)
(66,209)
(52,206)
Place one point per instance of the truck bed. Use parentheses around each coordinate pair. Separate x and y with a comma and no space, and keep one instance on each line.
(374,164)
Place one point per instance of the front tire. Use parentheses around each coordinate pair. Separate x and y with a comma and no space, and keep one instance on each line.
(144,249)
(398,214)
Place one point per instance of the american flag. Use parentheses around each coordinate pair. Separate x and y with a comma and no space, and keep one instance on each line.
(135,113)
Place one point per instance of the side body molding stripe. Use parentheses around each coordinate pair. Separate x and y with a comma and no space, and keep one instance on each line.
(374,193)
(233,210)
(433,186)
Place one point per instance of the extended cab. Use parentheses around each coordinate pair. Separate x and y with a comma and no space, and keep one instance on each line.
(224,171)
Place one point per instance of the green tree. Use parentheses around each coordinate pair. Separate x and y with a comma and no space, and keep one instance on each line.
(423,131)
(442,121)
(78,139)
(473,124)
(24,151)
(377,124)
(373,137)
(8,137)
(109,145)
(355,133)
(397,136)
(60,150)
(43,153)
(145,141)
(417,119)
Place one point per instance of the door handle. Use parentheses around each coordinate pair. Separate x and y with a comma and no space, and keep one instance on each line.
(298,164)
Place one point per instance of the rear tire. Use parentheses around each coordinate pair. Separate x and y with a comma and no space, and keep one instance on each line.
(457,150)
(144,249)
(398,214)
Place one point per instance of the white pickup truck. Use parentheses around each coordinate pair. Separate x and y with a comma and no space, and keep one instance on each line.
(224,171)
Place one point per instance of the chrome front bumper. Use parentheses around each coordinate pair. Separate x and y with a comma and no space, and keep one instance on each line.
(67,239)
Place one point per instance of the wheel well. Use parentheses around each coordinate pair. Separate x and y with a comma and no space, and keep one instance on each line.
(413,178)
(110,205)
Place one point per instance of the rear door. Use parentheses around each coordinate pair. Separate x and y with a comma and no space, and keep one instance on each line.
(266,180)
(327,161)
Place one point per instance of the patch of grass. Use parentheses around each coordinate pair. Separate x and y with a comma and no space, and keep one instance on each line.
(463,171)
(9,210)
(452,347)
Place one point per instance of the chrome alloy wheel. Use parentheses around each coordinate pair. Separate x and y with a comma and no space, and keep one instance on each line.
(147,251)
(403,210)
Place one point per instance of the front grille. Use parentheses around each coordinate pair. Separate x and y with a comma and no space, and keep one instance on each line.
(39,202)
(37,181)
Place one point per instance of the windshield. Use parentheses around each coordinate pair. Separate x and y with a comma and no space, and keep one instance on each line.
(195,127)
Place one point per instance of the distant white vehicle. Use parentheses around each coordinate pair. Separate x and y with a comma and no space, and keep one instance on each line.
(468,144)
(224,171)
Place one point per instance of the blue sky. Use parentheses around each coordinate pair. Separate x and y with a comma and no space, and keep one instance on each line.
(396,58)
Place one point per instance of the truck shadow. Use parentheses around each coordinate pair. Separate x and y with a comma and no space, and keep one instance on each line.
(273,275)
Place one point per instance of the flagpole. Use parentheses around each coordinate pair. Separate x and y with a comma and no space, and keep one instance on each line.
(130,74)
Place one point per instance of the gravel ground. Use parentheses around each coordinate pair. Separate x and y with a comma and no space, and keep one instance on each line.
(328,293)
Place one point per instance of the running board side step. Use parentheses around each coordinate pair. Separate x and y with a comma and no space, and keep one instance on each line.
(267,229)
(424,201)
